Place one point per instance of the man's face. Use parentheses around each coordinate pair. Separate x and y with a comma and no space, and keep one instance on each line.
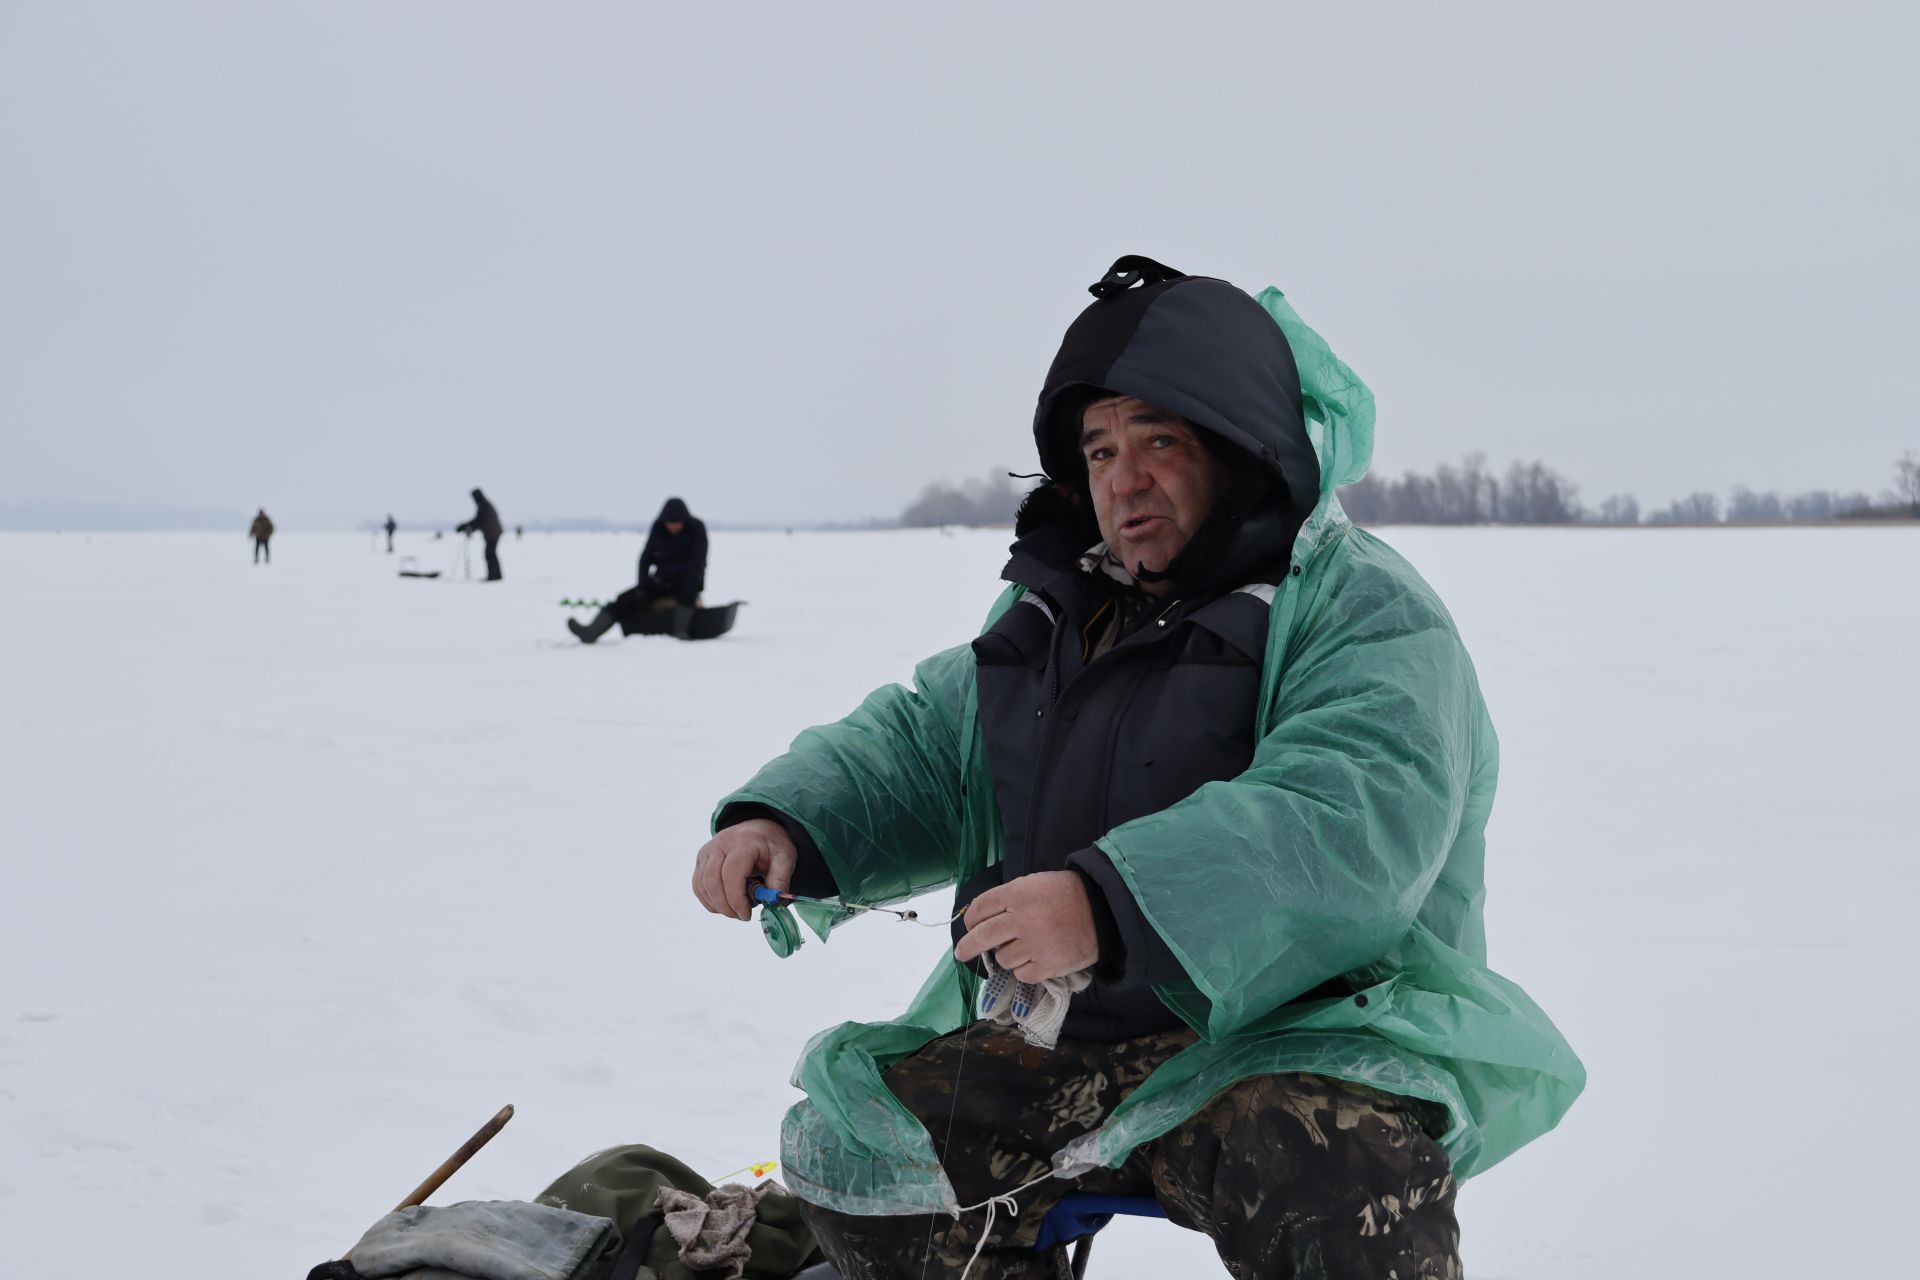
(674,527)
(1153,481)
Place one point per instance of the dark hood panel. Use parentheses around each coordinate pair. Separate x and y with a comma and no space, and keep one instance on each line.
(1194,346)
(1203,349)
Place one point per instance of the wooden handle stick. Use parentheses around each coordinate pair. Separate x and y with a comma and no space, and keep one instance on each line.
(458,1158)
(453,1162)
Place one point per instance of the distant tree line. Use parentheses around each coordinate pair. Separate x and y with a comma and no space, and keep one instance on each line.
(1534,493)
(1472,493)
(1529,493)
(990,500)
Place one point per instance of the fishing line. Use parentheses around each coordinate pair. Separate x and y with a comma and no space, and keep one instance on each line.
(946,1145)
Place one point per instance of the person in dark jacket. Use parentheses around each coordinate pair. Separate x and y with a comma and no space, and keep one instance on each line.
(261,531)
(1126,678)
(673,572)
(390,526)
(486,522)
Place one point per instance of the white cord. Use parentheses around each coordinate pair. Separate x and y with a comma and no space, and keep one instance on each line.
(990,1204)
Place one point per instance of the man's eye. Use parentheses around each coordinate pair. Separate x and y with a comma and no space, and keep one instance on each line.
(1164,441)
(1100,454)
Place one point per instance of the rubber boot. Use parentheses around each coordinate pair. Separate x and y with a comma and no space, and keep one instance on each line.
(682,621)
(592,631)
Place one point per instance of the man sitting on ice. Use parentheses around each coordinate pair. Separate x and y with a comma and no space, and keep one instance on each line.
(673,572)
(1214,782)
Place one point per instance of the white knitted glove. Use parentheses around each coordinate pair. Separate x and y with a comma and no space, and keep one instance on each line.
(1038,1009)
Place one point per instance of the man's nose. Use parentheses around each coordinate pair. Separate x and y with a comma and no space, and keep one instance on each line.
(1129,475)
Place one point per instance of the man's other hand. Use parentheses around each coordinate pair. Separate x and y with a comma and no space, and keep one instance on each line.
(757,849)
(1038,927)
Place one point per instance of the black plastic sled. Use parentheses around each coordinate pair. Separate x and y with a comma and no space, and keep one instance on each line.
(687,624)
(410,568)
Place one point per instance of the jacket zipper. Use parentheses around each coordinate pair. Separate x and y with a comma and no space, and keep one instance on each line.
(1054,692)
(1046,736)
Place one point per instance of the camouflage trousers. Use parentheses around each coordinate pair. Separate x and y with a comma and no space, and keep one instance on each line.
(1291,1175)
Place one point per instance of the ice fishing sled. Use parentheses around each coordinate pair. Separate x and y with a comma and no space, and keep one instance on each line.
(695,622)
(702,623)
(410,568)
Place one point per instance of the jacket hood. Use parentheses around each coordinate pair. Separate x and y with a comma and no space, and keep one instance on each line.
(1191,345)
(675,510)
(1203,349)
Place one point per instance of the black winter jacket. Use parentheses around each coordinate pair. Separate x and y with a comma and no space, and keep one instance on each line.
(675,564)
(485,522)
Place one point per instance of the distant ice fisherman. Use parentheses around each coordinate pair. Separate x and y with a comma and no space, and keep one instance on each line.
(261,531)
(486,523)
(673,573)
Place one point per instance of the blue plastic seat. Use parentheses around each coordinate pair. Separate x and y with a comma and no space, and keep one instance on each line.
(1079,1215)
(1076,1217)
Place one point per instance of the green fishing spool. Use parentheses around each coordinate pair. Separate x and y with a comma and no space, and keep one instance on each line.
(781,929)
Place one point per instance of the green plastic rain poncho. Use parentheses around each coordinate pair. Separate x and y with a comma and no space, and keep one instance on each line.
(1353,844)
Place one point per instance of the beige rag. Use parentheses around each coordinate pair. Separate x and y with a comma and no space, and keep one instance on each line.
(712,1230)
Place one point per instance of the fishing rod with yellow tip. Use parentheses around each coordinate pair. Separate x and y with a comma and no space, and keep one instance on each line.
(759,1169)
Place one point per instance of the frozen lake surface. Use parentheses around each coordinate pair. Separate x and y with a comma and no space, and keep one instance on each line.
(306,869)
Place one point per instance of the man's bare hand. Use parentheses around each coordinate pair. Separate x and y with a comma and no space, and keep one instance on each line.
(757,849)
(1038,927)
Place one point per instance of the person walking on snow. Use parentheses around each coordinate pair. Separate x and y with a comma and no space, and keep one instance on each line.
(673,572)
(390,526)
(1215,781)
(261,531)
(485,522)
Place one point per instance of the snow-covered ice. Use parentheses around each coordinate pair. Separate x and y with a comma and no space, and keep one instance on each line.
(306,869)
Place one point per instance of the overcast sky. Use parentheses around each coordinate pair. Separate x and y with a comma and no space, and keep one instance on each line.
(792,261)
